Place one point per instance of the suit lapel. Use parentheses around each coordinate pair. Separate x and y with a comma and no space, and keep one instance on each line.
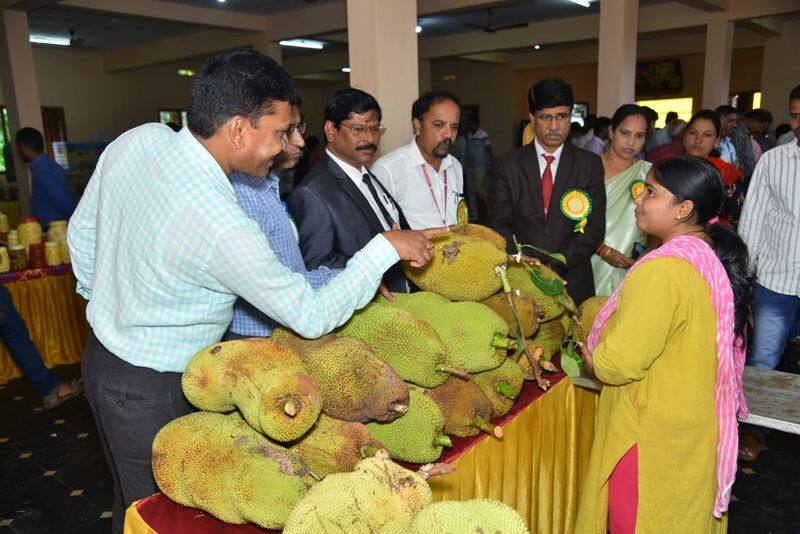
(562,179)
(402,223)
(355,193)
(531,163)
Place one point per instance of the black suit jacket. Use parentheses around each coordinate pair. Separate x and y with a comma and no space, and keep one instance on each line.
(335,220)
(516,209)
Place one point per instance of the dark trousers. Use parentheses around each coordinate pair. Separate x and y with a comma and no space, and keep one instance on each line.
(15,336)
(130,405)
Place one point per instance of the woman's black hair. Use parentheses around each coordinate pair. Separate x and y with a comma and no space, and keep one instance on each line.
(698,180)
(628,110)
(709,115)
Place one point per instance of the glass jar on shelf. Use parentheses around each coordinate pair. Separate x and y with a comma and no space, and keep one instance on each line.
(36,259)
(18,258)
(52,253)
(30,232)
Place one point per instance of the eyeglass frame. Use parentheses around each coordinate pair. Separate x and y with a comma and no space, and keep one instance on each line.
(354,130)
(559,117)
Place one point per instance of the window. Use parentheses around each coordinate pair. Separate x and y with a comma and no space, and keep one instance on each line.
(681,106)
(174,116)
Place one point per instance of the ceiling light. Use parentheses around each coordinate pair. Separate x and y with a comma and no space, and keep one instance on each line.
(345,69)
(584,3)
(186,72)
(221,1)
(303,43)
(537,47)
(418,29)
(49,40)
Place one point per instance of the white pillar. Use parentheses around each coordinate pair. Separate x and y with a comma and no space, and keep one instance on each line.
(18,76)
(616,58)
(778,76)
(717,71)
(382,44)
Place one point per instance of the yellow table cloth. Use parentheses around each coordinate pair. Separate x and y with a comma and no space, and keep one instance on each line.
(56,319)
(537,468)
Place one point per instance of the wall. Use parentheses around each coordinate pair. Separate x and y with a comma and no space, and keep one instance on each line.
(100,106)
(781,71)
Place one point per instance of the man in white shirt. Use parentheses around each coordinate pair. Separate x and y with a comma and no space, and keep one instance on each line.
(340,205)
(421,175)
(770,225)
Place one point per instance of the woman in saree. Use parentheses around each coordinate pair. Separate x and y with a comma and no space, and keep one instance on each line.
(668,347)
(624,174)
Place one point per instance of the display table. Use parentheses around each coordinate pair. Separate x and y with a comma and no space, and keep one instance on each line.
(537,467)
(53,312)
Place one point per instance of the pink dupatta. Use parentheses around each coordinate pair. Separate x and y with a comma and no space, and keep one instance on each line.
(728,395)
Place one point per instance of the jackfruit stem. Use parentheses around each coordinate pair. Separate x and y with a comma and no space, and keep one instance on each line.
(442,440)
(398,407)
(505,389)
(484,425)
(291,406)
(460,373)
(501,342)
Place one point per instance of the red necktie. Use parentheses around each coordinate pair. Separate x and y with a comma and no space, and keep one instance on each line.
(547,182)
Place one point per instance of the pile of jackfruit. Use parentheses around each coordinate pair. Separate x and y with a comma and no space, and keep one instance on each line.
(302,434)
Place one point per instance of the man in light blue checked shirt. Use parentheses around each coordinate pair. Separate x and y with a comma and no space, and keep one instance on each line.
(161,250)
(260,199)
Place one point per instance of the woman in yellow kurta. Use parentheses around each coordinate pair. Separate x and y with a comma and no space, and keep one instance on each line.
(664,347)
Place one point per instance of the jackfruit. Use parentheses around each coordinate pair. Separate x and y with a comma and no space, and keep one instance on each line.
(477,515)
(584,319)
(549,337)
(462,268)
(482,232)
(551,306)
(527,312)
(416,436)
(264,379)
(406,342)
(465,408)
(355,384)
(334,446)
(378,497)
(475,336)
(501,386)
(217,463)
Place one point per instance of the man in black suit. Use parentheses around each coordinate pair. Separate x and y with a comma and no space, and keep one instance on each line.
(551,194)
(340,205)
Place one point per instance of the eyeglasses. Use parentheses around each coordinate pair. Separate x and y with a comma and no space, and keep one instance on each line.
(358,131)
(299,128)
(794,116)
(559,117)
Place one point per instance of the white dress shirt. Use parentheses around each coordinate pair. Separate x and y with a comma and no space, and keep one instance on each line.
(543,162)
(402,172)
(727,151)
(770,223)
(357,177)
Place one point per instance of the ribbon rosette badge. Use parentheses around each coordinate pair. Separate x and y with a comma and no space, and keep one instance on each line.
(636,188)
(576,205)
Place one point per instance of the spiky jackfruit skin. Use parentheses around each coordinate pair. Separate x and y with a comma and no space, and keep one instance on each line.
(527,312)
(334,446)
(520,279)
(355,384)
(403,340)
(461,401)
(462,268)
(477,515)
(415,301)
(584,319)
(468,329)
(481,232)
(496,384)
(258,376)
(412,437)
(549,337)
(378,497)
(217,463)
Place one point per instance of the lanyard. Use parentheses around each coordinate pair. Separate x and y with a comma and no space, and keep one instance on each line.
(443,215)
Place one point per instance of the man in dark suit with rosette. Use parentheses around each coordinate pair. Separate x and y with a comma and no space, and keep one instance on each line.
(550,194)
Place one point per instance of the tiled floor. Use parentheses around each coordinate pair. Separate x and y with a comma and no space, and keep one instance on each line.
(53,477)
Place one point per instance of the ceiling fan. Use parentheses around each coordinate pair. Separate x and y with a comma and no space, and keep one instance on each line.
(491,27)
